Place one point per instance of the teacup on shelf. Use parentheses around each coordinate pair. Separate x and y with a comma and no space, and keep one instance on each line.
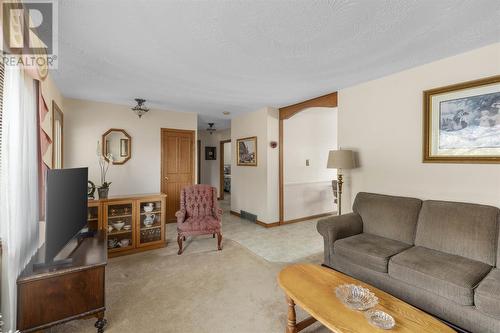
(148,208)
(124,242)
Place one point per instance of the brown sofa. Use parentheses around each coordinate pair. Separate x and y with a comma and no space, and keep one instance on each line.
(436,255)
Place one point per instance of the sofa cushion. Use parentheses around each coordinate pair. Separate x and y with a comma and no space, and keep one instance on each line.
(450,276)
(388,216)
(487,294)
(368,250)
(463,229)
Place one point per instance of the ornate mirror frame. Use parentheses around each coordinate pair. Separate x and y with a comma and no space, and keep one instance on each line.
(129,146)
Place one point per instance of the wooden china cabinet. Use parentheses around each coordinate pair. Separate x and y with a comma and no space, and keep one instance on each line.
(94,215)
(132,223)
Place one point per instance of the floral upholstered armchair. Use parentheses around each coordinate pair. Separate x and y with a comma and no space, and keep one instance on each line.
(199,214)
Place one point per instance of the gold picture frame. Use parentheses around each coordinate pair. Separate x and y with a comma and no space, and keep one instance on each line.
(246,151)
(462,122)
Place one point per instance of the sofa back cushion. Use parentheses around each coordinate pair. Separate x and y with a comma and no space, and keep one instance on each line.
(463,229)
(198,200)
(388,216)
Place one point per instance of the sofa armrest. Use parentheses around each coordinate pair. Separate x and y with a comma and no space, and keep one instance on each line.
(342,226)
(338,227)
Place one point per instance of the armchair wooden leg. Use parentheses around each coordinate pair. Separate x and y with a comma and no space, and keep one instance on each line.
(179,241)
(219,241)
(213,235)
(184,238)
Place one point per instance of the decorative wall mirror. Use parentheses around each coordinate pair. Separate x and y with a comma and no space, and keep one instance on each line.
(118,144)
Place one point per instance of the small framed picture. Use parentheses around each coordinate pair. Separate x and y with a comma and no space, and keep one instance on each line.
(462,122)
(247,151)
(210,153)
(124,147)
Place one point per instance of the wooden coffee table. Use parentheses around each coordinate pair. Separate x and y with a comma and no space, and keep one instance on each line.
(312,287)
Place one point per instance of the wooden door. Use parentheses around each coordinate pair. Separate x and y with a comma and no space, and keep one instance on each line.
(177,166)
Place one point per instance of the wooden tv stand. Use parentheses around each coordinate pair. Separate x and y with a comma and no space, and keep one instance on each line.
(51,296)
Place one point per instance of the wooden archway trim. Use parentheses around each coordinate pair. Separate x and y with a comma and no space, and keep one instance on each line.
(329,100)
(221,168)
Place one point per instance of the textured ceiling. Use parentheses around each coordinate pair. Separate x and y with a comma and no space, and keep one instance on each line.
(238,56)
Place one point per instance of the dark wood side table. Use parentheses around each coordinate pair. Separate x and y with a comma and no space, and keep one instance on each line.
(52,296)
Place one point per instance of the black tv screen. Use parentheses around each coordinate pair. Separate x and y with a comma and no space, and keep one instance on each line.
(66,208)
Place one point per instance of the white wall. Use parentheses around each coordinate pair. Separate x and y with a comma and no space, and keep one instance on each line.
(85,122)
(310,134)
(227,152)
(382,121)
(255,188)
(272,166)
(210,169)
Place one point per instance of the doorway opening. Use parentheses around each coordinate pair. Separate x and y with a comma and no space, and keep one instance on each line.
(225,170)
(304,192)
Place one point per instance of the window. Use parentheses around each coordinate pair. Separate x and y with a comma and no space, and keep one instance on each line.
(1,105)
(57,137)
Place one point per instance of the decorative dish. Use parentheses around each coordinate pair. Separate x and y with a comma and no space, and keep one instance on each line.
(380,319)
(356,297)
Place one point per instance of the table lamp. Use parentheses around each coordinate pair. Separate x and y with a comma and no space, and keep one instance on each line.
(340,159)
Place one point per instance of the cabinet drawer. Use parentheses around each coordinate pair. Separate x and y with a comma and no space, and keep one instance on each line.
(56,298)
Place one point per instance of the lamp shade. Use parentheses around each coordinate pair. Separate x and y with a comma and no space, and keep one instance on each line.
(341,159)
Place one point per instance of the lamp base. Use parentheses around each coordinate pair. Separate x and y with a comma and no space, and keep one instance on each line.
(340,182)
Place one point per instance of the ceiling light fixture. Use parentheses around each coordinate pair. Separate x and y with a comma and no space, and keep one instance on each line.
(211,128)
(140,109)
(226,113)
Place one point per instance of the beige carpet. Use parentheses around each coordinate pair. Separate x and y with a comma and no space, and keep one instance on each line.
(202,290)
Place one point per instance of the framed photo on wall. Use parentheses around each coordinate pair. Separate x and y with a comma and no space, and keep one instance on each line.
(462,122)
(210,153)
(246,151)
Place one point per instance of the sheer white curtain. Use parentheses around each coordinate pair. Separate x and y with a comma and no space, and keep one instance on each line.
(18,185)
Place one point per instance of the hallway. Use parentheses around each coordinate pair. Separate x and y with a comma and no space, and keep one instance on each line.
(287,243)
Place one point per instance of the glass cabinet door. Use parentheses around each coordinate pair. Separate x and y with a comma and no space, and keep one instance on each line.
(93,216)
(120,226)
(150,221)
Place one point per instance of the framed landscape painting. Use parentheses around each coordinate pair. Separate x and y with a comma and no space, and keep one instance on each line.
(246,151)
(462,122)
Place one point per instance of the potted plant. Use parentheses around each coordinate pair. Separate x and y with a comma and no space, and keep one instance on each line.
(104,163)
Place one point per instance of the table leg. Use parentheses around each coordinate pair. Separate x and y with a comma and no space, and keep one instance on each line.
(291,326)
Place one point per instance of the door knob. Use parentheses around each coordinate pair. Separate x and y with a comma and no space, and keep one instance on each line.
(166,178)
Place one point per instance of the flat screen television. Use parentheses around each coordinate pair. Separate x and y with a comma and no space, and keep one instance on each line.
(65,209)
